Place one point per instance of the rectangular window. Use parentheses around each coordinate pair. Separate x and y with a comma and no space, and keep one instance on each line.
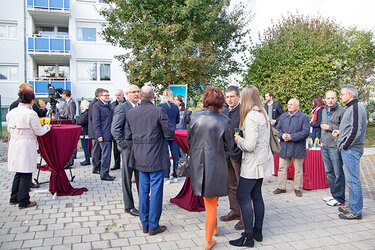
(94,71)
(8,30)
(86,34)
(8,73)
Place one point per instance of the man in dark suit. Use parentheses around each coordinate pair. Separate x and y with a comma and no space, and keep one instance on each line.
(96,154)
(273,109)
(147,127)
(69,112)
(116,153)
(118,133)
(102,119)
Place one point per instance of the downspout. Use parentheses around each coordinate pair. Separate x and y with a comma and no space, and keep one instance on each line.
(24,39)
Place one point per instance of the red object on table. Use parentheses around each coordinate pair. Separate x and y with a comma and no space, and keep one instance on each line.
(314,175)
(56,147)
(62,121)
(186,198)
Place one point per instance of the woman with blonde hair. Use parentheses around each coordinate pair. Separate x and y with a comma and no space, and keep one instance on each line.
(83,120)
(257,163)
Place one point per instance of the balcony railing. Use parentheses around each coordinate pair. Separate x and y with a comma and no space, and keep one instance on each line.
(49,4)
(41,85)
(50,44)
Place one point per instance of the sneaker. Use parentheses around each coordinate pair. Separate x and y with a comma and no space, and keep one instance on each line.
(350,216)
(344,209)
(334,203)
(168,182)
(327,199)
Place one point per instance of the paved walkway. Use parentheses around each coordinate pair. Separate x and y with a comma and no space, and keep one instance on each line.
(96,219)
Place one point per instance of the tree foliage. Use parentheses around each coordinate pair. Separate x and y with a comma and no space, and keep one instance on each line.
(302,57)
(175,42)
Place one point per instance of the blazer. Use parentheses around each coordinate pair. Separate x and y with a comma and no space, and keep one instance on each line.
(83,121)
(257,158)
(147,127)
(102,119)
(119,122)
(277,111)
(172,111)
(234,115)
(90,125)
(115,103)
(70,109)
(40,112)
(209,136)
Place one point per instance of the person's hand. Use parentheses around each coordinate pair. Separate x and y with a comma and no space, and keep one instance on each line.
(324,126)
(335,132)
(236,138)
(273,122)
(100,139)
(42,104)
(191,109)
(286,137)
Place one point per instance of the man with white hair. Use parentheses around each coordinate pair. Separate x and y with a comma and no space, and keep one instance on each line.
(352,133)
(116,153)
(294,128)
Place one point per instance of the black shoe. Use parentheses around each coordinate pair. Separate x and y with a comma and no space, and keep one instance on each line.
(133,211)
(108,178)
(95,172)
(85,163)
(257,234)
(244,241)
(115,167)
(33,185)
(68,167)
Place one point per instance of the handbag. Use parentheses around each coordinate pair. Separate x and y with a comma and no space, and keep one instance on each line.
(183,167)
(274,140)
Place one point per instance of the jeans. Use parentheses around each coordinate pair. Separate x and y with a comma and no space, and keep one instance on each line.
(150,206)
(250,191)
(85,147)
(351,160)
(335,172)
(175,156)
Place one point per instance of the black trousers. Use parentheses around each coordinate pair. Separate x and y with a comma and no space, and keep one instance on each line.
(20,189)
(116,154)
(127,179)
(96,155)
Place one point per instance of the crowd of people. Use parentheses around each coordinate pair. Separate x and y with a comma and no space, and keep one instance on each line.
(229,149)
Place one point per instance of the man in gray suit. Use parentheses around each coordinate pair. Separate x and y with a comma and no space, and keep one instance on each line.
(69,112)
(118,133)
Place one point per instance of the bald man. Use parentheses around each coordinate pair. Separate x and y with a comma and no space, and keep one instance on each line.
(294,128)
(116,153)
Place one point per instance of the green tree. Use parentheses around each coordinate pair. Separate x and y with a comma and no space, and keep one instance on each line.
(302,57)
(176,42)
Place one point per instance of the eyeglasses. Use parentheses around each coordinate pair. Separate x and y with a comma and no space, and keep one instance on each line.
(105,95)
(133,92)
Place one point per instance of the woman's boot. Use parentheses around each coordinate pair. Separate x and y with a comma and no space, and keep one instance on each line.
(244,241)
(257,234)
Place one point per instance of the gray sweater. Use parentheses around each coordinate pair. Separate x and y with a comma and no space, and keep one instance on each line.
(335,115)
(353,127)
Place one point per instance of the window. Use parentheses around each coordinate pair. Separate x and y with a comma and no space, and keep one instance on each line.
(92,71)
(86,34)
(8,73)
(8,30)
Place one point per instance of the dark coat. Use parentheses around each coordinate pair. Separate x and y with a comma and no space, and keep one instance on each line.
(102,119)
(147,127)
(298,126)
(316,131)
(209,136)
(172,111)
(70,110)
(277,111)
(90,126)
(115,103)
(41,112)
(83,121)
(118,124)
(234,115)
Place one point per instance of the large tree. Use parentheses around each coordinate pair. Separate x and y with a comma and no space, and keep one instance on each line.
(176,42)
(302,57)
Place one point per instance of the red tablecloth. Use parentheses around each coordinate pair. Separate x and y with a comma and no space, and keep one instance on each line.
(62,121)
(56,147)
(186,198)
(314,175)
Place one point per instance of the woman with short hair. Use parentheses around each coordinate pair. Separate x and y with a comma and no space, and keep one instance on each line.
(83,120)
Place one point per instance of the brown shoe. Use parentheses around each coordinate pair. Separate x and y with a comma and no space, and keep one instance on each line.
(13,202)
(298,193)
(230,216)
(145,230)
(279,191)
(31,204)
(239,225)
(158,230)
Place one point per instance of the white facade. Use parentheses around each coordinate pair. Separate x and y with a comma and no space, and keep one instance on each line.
(56,45)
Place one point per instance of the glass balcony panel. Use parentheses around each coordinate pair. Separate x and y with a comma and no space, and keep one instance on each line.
(55,4)
(41,87)
(48,44)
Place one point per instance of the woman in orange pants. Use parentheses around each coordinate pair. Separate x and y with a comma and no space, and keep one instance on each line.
(210,135)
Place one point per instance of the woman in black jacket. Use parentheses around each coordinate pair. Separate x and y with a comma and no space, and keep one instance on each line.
(316,117)
(209,137)
(83,121)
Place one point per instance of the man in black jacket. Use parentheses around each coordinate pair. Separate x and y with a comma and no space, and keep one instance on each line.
(118,133)
(273,109)
(95,152)
(234,156)
(147,127)
(116,153)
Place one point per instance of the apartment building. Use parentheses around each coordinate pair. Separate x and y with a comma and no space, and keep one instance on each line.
(55,42)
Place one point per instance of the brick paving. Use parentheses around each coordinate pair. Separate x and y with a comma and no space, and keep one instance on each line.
(96,219)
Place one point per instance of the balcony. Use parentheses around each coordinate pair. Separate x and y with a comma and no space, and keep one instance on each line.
(49,45)
(49,5)
(41,85)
